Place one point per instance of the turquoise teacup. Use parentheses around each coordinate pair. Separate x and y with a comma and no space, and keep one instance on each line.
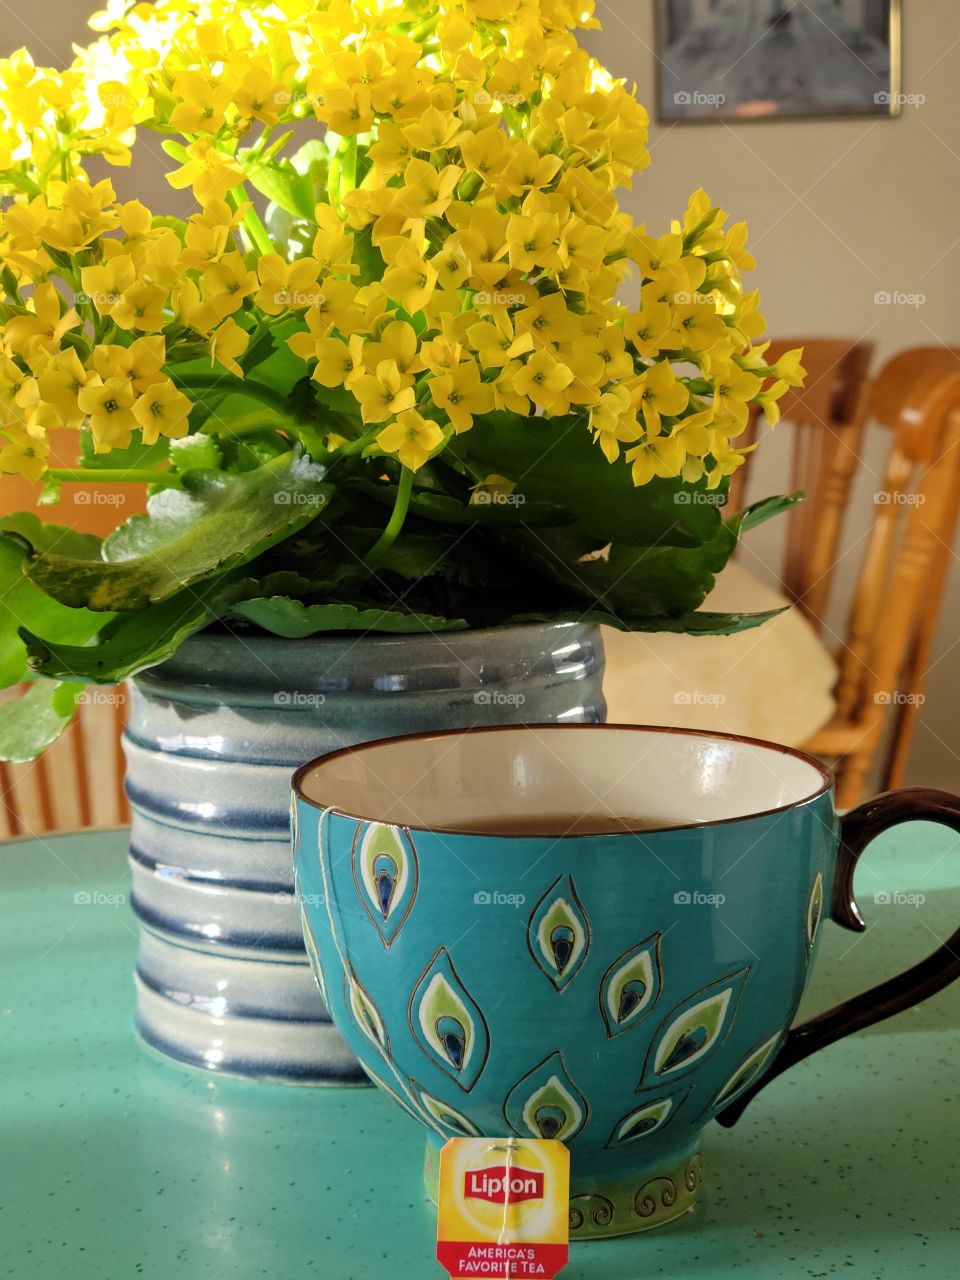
(616,964)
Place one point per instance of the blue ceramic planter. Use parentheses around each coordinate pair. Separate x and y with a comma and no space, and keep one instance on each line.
(222,978)
(616,991)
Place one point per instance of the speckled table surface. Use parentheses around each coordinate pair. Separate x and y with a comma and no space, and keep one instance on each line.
(115,1163)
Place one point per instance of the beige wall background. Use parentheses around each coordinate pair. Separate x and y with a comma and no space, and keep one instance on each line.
(838,210)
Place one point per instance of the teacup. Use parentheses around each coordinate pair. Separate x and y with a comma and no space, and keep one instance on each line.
(617,964)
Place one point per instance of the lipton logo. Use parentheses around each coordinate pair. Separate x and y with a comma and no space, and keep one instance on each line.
(500,1185)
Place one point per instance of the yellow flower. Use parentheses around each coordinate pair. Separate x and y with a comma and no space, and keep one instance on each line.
(544,379)
(60,384)
(106,285)
(397,342)
(613,422)
(451,265)
(527,170)
(82,215)
(649,329)
(549,320)
(44,326)
(697,326)
(227,343)
(22,454)
(142,307)
(163,410)
(109,405)
(408,280)
(384,394)
(260,97)
(533,241)
(227,283)
(339,363)
(411,437)
(657,392)
(202,105)
(733,392)
(496,342)
(208,170)
(287,284)
(484,239)
(461,394)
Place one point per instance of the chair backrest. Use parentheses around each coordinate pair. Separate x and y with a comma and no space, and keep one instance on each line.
(78,782)
(826,418)
(896,605)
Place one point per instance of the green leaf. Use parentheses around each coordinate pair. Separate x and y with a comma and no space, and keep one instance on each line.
(189,534)
(30,723)
(51,537)
(133,641)
(276,365)
(280,182)
(198,452)
(24,605)
(554,460)
(628,580)
(293,619)
(445,510)
(759,512)
(313,158)
(135,456)
(700,623)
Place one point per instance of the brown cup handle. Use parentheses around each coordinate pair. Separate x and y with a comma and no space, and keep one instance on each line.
(924,979)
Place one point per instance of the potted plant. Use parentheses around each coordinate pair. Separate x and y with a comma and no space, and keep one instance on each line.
(416,404)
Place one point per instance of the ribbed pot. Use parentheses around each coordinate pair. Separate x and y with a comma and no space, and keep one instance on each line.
(214,734)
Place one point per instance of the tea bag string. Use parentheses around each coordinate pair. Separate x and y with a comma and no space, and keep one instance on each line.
(508,1148)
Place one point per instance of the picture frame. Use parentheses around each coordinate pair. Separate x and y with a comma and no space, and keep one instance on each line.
(724,60)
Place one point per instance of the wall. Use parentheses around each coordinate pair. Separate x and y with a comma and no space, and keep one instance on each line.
(838,210)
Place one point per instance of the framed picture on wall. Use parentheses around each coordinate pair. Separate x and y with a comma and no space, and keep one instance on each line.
(757,59)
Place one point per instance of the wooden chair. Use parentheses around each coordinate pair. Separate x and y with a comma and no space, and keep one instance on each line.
(894,611)
(78,782)
(826,417)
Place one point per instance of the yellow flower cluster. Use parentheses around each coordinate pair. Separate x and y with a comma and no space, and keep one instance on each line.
(468,254)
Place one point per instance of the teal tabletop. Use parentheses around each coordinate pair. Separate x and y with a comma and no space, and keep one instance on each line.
(116,1164)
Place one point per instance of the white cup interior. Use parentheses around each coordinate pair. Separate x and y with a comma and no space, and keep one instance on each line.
(600,778)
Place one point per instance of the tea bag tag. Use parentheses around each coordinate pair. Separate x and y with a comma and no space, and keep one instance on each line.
(503,1208)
